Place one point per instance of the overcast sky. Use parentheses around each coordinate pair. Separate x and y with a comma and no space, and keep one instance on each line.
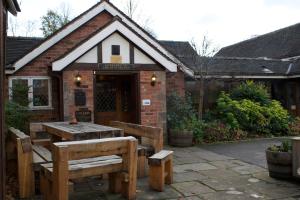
(223,21)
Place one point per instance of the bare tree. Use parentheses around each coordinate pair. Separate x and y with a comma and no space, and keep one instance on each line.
(131,7)
(134,11)
(201,61)
(30,27)
(13,26)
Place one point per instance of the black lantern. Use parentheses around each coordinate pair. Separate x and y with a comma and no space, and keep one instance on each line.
(153,79)
(78,79)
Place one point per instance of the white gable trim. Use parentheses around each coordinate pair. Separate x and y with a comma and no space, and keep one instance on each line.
(82,20)
(115,26)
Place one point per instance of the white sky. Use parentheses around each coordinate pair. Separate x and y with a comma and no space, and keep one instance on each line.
(224,21)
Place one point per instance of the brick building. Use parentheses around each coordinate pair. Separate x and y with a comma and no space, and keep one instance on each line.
(99,67)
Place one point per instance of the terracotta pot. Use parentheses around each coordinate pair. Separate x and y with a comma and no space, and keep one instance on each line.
(181,138)
(279,164)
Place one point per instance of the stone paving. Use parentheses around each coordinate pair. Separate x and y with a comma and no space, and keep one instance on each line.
(202,174)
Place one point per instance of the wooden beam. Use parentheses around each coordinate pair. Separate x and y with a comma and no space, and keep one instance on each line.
(131,53)
(99,50)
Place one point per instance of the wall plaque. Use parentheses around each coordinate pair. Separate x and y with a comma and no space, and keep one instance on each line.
(80,97)
(83,115)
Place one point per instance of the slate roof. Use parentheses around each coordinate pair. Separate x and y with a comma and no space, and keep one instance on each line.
(283,43)
(16,47)
(226,66)
(215,66)
(182,50)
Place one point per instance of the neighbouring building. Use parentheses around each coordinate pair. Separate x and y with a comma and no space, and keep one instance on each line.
(272,59)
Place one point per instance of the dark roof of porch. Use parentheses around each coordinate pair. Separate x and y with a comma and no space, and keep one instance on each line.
(16,47)
(282,43)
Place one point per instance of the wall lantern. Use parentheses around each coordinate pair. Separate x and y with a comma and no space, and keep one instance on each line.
(78,79)
(153,79)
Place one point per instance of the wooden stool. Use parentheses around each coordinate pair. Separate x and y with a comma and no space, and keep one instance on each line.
(160,170)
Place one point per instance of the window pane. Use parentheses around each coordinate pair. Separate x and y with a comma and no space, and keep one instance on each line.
(19,91)
(40,92)
(115,50)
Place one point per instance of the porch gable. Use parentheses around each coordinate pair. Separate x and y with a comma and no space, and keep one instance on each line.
(88,50)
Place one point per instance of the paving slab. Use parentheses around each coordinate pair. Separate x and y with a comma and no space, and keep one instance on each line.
(189,176)
(192,188)
(193,167)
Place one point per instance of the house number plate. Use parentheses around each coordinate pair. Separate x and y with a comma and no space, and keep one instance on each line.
(146,102)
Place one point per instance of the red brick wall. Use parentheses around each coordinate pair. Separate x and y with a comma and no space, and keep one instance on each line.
(69,86)
(176,83)
(42,64)
(155,114)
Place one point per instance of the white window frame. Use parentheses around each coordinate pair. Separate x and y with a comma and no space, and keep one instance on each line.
(30,93)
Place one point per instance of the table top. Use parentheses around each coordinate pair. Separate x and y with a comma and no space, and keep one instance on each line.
(81,130)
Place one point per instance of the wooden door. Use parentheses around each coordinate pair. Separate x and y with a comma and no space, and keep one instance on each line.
(115,98)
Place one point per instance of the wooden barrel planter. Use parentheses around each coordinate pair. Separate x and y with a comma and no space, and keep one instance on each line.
(279,164)
(181,138)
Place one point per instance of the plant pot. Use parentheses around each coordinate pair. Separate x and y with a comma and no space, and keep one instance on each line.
(279,164)
(181,138)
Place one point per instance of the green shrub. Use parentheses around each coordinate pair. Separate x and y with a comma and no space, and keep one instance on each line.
(294,126)
(251,116)
(179,110)
(256,92)
(16,116)
(216,131)
(16,109)
(286,146)
(182,116)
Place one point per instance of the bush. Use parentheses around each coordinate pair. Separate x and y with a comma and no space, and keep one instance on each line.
(256,92)
(182,116)
(294,126)
(179,109)
(16,109)
(16,116)
(253,115)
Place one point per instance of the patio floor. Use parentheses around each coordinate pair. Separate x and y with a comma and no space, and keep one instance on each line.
(202,174)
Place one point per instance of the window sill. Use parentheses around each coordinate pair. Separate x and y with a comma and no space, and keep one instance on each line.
(41,108)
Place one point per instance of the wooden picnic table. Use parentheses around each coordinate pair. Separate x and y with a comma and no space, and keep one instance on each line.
(79,131)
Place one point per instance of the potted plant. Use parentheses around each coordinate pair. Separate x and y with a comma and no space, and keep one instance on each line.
(181,135)
(279,159)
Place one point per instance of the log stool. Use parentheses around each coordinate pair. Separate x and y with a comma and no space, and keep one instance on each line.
(160,170)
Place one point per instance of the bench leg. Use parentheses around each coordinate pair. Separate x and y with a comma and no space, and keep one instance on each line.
(157,177)
(169,171)
(45,187)
(141,166)
(25,172)
(115,182)
(296,156)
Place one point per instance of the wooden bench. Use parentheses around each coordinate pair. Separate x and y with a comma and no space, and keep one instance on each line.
(29,159)
(38,135)
(160,170)
(150,141)
(79,159)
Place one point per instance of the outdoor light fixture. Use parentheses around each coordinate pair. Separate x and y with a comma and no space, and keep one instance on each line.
(78,79)
(153,79)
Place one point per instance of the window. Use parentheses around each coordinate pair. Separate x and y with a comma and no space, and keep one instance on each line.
(39,94)
(115,50)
